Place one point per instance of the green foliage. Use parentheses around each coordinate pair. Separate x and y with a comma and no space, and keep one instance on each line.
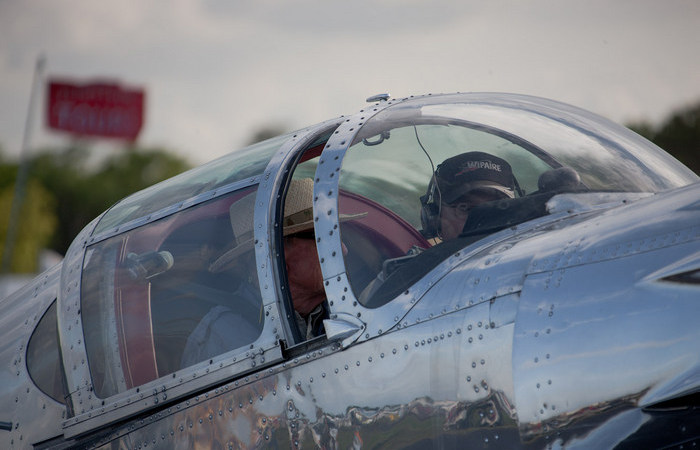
(266,132)
(35,227)
(679,135)
(84,193)
(64,194)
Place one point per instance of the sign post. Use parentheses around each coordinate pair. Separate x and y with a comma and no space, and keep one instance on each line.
(22,172)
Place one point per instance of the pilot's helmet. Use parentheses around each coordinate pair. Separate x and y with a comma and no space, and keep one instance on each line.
(474,171)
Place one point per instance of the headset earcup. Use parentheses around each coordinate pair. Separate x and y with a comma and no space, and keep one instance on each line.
(429,212)
(430,220)
(425,218)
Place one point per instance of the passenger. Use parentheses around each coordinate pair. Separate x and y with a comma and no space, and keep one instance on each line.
(305,283)
(459,184)
(301,258)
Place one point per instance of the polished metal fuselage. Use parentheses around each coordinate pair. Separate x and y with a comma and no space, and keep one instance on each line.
(557,333)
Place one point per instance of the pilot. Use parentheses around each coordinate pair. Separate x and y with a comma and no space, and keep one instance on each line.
(459,184)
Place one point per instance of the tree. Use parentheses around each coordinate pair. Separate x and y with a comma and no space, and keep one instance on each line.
(679,135)
(266,132)
(83,193)
(36,225)
(64,194)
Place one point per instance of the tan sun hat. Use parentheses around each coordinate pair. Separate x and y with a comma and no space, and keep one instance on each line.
(298,208)
(298,217)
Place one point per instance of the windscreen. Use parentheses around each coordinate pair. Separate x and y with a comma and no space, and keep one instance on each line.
(236,166)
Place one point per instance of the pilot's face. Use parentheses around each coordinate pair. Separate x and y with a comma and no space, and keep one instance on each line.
(454,216)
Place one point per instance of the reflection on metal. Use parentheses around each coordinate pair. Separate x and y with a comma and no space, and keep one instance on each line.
(343,327)
(339,399)
(378,98)
(381,137)
(503,310)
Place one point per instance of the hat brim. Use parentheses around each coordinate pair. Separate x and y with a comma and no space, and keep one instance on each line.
(475,186)
(224,261)
(309,224)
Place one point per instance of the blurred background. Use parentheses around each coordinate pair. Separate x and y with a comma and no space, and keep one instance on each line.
(216,75)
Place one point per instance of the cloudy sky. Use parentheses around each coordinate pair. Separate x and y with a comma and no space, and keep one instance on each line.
(217,70)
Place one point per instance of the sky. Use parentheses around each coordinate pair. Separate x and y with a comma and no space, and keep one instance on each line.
(216,71)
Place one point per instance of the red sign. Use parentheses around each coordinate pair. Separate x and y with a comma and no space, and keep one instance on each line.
(96,109)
